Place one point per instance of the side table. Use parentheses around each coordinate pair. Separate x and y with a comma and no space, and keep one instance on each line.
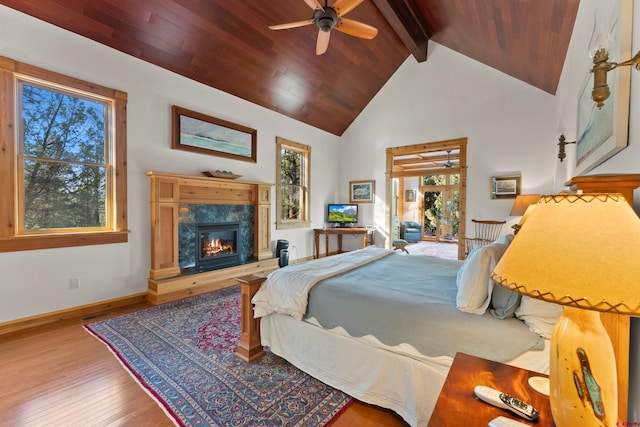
(457,404)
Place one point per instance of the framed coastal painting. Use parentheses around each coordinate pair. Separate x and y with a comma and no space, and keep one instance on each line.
(505,187)
(602,132)
(200,133)
(361,191)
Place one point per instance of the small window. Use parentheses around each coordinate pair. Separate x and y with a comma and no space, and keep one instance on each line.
(292,188)
(65,169)
(447,179)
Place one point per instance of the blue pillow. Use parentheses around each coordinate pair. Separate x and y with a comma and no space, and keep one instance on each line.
(504,302)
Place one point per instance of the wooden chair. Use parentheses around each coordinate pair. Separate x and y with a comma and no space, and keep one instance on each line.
(486,232)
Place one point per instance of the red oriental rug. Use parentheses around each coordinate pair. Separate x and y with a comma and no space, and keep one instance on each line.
(182,353)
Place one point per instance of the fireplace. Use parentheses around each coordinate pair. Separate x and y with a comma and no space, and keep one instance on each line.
(179,203)
(216,245)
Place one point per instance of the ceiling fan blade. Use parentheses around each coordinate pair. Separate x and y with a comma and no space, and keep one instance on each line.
(342,7)
(314,4)
(356,28)
(323,42)
(291,25)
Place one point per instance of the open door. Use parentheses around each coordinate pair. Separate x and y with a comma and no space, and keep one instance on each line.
(441,207)
(436,172)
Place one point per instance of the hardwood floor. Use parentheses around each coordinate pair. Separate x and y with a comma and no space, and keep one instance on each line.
(60,375)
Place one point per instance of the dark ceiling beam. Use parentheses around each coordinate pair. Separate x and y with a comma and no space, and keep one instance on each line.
(408,25)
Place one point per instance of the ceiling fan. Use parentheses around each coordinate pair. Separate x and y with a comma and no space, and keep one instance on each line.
(449,163)
(328,17)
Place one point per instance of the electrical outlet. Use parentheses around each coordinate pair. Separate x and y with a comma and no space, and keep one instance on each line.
(74,283)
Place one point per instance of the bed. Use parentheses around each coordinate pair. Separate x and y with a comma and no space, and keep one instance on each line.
(384,326)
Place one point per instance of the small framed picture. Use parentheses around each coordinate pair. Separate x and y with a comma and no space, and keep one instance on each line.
(362,191)
(505,187)
(410,195)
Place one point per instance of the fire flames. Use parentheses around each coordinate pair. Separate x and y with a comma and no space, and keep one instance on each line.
(216,248)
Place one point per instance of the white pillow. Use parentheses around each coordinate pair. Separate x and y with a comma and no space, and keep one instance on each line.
(474,278)
(505,239)
(540,316)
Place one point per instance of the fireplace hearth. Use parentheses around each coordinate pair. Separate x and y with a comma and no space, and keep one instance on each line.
(216,246)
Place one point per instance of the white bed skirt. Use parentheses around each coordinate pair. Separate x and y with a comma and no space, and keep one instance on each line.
(365,369)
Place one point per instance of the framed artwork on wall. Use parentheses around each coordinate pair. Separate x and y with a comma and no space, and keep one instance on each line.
(200,133)
(361,191)
(505,187)
(604,132)
(410,195)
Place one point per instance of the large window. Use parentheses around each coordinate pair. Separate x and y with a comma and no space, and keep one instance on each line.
(63,163)
(292,185)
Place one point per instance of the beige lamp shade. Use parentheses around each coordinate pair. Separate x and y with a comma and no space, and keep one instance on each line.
(522,202)
(580,250)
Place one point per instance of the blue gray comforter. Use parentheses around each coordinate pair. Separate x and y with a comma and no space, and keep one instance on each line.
(412,299)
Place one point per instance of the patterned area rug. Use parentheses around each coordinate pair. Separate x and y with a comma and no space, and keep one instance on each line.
(441,250)
(182,353)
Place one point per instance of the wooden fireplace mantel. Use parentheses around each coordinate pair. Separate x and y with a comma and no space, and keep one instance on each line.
(168,191)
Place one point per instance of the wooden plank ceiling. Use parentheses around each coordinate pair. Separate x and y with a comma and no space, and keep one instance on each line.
(226,44)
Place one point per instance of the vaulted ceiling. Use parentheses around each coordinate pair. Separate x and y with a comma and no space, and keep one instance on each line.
(226,44)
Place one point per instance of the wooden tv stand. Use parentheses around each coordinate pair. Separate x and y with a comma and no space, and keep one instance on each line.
(339,231)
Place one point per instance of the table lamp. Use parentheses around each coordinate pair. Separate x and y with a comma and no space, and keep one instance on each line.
(581,251)
(522,202)
(519,208)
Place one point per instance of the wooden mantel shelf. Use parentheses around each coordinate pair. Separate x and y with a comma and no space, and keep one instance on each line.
(168,191)
(204,178)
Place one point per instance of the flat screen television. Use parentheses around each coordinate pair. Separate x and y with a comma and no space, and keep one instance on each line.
(342,214)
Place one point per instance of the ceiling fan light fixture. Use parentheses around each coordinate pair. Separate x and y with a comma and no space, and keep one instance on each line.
(449,163)
(325,19)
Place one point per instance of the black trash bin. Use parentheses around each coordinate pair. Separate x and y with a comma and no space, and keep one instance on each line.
(282,252)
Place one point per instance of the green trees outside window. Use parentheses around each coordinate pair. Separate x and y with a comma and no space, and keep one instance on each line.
(64,159)
(441,203)
(63,162)
(292,188)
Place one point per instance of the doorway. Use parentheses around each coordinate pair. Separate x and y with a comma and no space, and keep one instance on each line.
(435,172)
(441,207)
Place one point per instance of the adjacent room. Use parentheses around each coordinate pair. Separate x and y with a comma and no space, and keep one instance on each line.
(375,159)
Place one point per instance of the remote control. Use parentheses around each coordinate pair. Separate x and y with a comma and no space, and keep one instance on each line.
(506,422)
(506,401)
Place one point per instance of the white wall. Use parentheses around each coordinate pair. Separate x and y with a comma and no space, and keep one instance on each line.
(35,282)
(575,72)
(510,127)
(626,161)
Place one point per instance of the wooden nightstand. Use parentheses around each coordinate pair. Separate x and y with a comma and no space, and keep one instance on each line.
(457,405)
